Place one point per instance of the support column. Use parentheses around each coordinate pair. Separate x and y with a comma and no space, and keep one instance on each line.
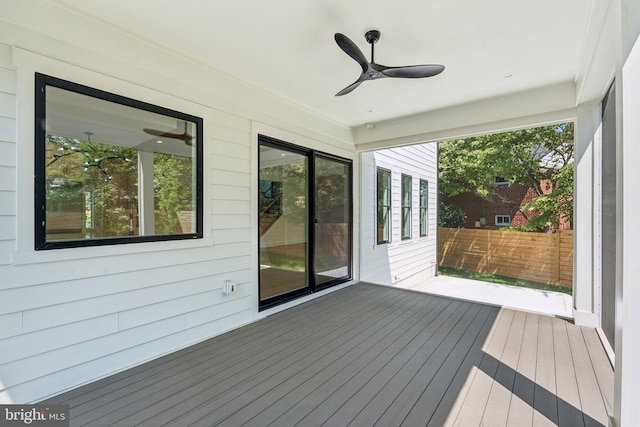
(627,371)
(586,266)
(145,193)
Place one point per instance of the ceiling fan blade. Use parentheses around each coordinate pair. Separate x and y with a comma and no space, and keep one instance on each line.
(351,87)
(154,132)
(413,71)
(352,50)
(181,136)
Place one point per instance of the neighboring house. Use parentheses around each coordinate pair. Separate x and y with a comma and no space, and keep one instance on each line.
(505,209)
(80,308)
(399,215)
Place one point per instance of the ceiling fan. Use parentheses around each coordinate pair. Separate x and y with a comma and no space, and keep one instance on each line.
(185,136)
(373,71)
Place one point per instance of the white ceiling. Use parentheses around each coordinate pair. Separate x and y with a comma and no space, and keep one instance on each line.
(286,47)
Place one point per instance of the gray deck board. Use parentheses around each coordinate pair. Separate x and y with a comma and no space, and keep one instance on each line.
(363,356)
(601,366)
(595,412)
(497,411)
(566,383)
(544,397)
(475,402)
(521,407)
(357,381)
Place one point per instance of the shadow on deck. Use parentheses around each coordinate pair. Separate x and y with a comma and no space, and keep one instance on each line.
(363,356)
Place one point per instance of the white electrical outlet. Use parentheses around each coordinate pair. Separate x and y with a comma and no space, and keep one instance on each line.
(229,287)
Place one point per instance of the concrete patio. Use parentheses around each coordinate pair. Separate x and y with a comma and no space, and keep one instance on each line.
(518,298)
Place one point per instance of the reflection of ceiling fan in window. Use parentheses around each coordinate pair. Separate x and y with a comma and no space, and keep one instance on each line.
(185,136)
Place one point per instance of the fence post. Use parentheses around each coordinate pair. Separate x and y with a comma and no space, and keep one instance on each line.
(488,251)
(558,255)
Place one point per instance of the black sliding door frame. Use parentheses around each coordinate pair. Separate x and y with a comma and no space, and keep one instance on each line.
(312,257)
(311,222)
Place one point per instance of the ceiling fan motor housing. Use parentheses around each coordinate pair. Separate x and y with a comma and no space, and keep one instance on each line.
(372,36)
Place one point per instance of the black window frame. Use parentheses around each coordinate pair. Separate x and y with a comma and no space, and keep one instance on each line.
(380,204)
(41,82)
(424,208)
(405,210)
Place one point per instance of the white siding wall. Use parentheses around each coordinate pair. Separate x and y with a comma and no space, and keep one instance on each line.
(70,316)
(407,262)
(7,162)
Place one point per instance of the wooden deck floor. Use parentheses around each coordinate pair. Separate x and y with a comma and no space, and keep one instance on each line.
(365,356)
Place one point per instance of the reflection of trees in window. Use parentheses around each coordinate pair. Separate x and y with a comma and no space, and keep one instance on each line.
(76,170)
(270,198)
(331,191)
(424,205)
(92,190)
(384,206)
(406,206)
(292,177)
(173,192)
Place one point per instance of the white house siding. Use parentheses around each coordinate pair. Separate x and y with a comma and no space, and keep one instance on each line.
(401,262)
(70,316)
(7,162)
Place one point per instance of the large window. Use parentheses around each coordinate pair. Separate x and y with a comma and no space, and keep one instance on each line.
(384,206)
(406,200)
(424,207)
(111,169)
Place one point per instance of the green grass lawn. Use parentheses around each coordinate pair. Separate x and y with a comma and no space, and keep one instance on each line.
(485,277)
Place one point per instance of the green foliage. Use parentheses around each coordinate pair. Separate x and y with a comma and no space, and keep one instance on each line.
(109,173)
(540,158)
(331,188)
(100,183)
(293,177)
(173,191)
(450,216)
(504,280)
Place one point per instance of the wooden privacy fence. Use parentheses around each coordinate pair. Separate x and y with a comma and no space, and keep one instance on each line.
(541,257)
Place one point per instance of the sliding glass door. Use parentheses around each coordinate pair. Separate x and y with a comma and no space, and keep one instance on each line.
(283,211)
(298,188)
(332,237)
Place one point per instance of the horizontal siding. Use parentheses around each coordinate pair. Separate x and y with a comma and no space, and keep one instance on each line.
(114,303)
(100,310)
(7,80)
(10,325)
(230,150)
(17,347)
(231,178)
(7,227)
(8,180)
(8,133)
(7,203)
(73,320)
(408,261)
(7,105)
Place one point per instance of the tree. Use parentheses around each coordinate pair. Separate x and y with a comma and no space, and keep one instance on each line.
(173,191)
(81,173)
(540,158)
(450,216)
(99,183)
